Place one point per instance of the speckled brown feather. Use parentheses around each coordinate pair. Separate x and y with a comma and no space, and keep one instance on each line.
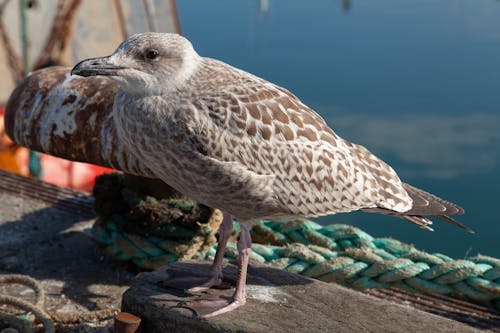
(242,144)
(243,127)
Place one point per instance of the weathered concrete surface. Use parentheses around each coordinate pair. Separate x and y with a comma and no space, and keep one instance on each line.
(278,302)
(56,248)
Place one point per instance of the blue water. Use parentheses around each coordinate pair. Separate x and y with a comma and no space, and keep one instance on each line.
(417,82)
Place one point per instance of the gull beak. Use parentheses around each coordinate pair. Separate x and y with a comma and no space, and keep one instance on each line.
(96,66)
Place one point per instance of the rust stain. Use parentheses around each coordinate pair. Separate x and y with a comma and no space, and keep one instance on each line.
(69,100)
(49,101)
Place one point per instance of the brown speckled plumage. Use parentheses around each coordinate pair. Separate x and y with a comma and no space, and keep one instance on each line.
(249,147)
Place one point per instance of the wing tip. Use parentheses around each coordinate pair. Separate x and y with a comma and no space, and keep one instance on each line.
(448,219)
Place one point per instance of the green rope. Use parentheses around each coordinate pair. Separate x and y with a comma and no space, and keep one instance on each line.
(335,253)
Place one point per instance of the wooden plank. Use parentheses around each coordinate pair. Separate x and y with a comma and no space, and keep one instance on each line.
(66,199)
(278,302)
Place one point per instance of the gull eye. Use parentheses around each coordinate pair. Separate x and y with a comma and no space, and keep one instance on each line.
(152,54)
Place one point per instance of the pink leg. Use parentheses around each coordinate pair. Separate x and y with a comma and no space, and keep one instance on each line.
(216,305)
(216,269)
(192,283)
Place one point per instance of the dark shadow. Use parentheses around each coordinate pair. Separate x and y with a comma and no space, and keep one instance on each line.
(470,319)
(56,244)
(257,275)
(149,289)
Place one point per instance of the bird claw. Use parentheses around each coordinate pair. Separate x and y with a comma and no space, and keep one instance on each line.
(212,305)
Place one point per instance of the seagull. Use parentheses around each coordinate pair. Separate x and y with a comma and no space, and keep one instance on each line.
(234,141)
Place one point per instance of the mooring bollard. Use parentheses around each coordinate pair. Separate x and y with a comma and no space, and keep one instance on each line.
(126,323)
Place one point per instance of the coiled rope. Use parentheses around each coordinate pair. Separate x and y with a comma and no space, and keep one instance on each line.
(23,323)
(35,308)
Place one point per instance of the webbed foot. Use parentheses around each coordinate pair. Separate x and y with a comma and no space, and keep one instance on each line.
(212,305)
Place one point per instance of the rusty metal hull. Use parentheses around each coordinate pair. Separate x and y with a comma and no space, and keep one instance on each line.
(70,117)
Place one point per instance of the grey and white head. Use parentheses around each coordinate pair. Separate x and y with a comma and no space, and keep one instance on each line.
(146,63)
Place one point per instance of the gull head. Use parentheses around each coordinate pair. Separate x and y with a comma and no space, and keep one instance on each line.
(146,64)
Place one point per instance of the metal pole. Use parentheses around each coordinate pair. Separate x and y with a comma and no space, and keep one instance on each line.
(150,9)
(24,34)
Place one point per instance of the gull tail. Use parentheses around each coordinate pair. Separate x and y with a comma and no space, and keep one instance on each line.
(425,204)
